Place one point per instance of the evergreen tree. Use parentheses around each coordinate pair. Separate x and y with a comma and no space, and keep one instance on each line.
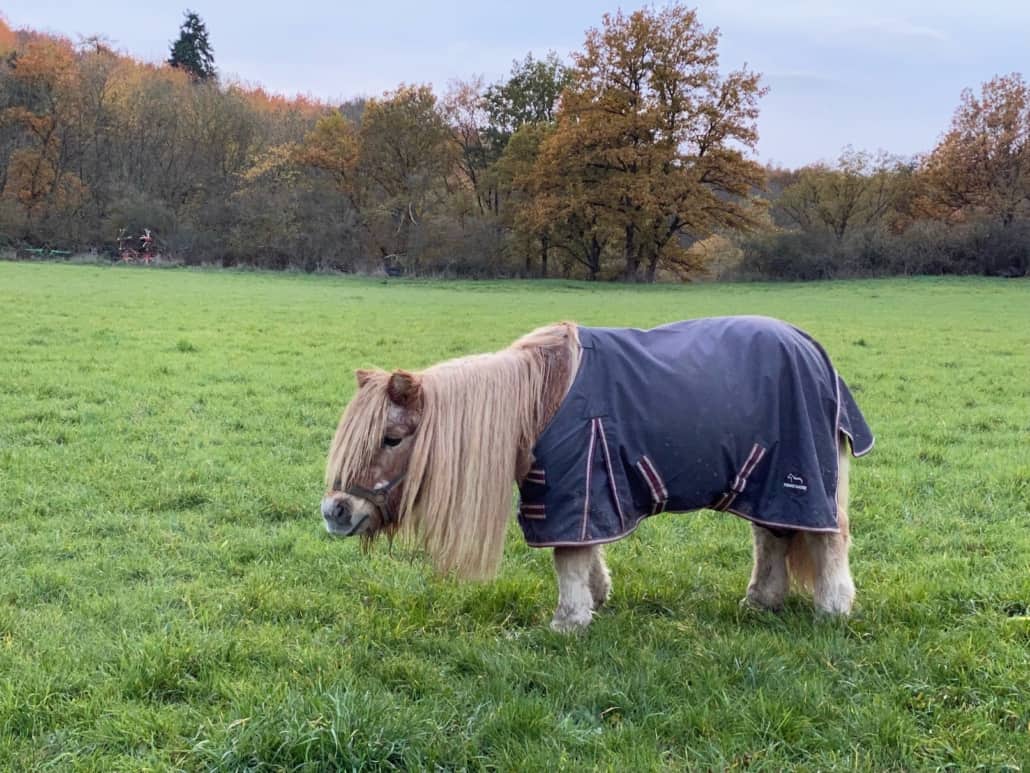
(192,51)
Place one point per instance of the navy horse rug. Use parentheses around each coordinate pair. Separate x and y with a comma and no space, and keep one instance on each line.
(741,414)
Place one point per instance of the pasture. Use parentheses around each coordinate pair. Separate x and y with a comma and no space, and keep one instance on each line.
(169,599)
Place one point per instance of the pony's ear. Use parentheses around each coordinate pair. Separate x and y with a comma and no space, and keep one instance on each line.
(404,388)
(363,375)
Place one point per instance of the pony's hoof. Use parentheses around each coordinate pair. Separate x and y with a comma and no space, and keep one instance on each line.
(573,623)
(838,612)
(836,602)
(758,605)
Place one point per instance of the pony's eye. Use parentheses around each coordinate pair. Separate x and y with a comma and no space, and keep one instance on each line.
(392,441)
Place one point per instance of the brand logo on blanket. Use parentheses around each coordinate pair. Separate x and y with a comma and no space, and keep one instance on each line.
(795,482)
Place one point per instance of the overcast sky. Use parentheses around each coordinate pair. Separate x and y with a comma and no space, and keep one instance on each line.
(870,73)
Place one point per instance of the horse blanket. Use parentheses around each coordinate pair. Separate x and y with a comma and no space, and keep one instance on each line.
(740,414)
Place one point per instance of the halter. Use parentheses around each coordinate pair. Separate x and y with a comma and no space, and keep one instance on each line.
(377,497)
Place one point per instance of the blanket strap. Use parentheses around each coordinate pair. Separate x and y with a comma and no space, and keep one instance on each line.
(659,493)
(740,481)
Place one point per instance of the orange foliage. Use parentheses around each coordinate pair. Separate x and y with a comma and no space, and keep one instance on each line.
(47,62)
(8,40)
(32,180)
(265,102)
(981,167)
(332,146)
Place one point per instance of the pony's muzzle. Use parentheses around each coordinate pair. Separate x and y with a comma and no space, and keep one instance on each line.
(336,511)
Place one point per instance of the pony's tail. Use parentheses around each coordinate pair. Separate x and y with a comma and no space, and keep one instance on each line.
(806,549)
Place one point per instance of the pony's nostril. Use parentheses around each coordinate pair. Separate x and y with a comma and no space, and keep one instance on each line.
(335,509)
(343,510)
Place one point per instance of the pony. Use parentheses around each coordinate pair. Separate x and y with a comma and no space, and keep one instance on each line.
(600,428)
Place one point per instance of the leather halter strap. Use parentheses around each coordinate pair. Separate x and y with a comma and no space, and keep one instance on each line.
(377,497)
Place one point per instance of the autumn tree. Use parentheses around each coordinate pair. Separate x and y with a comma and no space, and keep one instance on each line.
(982,165)
(8,40)
(560,206)
(43,99)
(652,138)
(528,223)
(291,208)
(483,119)
(93,143)
(297,202)
(861,189)
(161,175)
(332,147)
(405,159)
(465,112)
(192,50)
(88,138)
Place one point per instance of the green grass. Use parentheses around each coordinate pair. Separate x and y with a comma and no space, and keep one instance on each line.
(168,599)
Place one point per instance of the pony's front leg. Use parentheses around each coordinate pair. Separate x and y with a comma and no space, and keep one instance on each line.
(575,568)
(769,581)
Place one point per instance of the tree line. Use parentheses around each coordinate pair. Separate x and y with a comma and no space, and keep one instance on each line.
(962,208)
(632,161)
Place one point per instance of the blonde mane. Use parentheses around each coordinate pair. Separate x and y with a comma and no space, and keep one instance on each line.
(481,416)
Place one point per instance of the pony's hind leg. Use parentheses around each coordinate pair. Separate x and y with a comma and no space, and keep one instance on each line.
(575,570)
(769,582)
(600,580)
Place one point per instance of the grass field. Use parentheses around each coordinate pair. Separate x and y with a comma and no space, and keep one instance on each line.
(169,600)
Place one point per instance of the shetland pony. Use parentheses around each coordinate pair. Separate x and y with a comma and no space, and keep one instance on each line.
(434,454)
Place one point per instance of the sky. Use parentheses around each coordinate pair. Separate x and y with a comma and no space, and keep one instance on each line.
(873,74)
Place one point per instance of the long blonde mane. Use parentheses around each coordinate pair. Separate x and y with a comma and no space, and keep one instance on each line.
(481,416)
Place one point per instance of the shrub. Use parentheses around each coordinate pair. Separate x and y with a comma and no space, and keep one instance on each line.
(925,247)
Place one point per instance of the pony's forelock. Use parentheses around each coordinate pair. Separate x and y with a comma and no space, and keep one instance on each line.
(359,434)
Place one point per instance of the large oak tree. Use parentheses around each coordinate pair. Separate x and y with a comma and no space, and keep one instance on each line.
(981,167)
(653,139)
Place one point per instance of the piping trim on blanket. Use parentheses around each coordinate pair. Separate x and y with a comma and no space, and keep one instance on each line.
(611,475)
(590,466)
